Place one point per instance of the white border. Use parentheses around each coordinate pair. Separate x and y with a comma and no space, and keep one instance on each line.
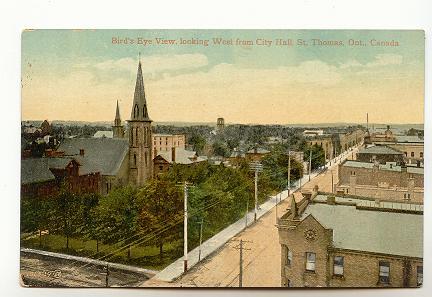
(300,14)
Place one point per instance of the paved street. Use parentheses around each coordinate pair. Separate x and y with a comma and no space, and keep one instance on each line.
(261,262)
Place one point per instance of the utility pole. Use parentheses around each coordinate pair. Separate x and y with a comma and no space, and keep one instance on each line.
(289,172)
(185,245)
(256,167)
(106,276)
(241,264)
(200,240)
(310,164)
(241,248)
(247,210)
(332,188)
(256,195)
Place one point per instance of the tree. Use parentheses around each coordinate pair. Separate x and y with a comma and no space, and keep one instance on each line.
(118,213)
(161,204)
(318,158)
(65,221)
(90,218)
(220,149)
(198,143)
(35,215)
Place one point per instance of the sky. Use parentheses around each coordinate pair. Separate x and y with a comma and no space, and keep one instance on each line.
(79,75)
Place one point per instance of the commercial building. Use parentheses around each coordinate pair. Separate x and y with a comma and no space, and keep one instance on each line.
(329,241)
(389,182)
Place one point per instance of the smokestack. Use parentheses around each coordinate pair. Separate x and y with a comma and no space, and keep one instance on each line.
(173,153)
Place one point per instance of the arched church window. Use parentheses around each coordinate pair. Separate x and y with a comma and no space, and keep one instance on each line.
(136,135)
(136,111)
(135,159)
(145,155)
(131,135)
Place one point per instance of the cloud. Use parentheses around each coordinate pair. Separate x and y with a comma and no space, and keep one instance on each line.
(380,60)
(156,63)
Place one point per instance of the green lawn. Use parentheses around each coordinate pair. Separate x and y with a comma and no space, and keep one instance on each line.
(142,256)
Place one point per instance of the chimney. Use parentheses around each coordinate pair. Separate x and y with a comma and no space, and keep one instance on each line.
(81,152)
(331,200)
(173,153)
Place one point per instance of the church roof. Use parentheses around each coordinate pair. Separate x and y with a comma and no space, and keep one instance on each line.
(35,170)
(139,108)
(104,155)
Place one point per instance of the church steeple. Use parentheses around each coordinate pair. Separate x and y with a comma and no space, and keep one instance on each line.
(117,120)
(139,108)
(118,130)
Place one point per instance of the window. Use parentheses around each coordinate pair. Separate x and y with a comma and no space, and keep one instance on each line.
(338,265)
(135,159)
(407,196)
(160,167)
(406,154)
(412,154)
(421,154)
(310,261)
(289,257)
(419,275)
(384,272)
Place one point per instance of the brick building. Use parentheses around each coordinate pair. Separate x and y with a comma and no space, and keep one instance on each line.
(164,160)
(165,142)
(43,177)
(326,142)
(329,241)
(388,181)
(381,154)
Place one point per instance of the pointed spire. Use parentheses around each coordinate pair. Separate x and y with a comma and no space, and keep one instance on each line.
(139,108)
(293,208)
(117,112)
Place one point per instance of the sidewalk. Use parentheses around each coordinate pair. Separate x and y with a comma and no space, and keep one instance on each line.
(174,270)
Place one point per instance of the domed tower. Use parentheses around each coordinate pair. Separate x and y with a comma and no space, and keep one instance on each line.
(140,136)
(118,130)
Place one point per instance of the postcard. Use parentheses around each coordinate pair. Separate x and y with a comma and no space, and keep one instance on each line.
(222,158)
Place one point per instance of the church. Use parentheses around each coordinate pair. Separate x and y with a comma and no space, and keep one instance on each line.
(124,159)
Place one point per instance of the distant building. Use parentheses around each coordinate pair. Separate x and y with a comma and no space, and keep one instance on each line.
(165,142)
(351,139)
(103,134)
(390,182)
(256,154)
(326,142)
(313,133)
(381,154)
(165,159)
(329,241)
(220,124)
(236,157)
(46,128)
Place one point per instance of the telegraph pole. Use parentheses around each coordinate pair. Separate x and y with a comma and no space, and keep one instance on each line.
(247,210)
(106,276)
(310,164)
(332,189)
(185,245)
(289,172)
(256,195)
(256,167)
(241,264)
(200,239)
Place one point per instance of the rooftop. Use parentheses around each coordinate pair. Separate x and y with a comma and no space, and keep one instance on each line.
(35,170)
(182,156)
(380,150)
(377,231)
(389,166)
(103,155)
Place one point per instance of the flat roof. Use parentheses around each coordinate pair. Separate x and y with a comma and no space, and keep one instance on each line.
(377,231)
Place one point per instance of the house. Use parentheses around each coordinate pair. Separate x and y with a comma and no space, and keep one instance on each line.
(164,160)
